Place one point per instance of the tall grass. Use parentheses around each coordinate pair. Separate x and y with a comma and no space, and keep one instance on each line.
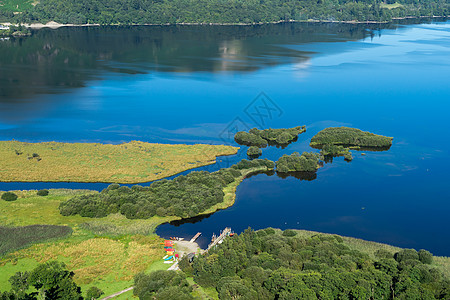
(13,238)
(132,162)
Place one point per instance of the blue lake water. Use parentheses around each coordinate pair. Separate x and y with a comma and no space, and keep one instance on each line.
(198,84)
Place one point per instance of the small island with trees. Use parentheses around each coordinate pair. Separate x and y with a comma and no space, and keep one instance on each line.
(272,137)
(350,137)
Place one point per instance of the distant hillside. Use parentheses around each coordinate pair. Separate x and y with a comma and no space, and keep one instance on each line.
(213,11)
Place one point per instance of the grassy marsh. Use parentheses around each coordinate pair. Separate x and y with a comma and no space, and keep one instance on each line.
(132,162)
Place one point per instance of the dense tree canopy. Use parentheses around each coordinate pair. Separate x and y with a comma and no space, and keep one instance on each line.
(254,151)
(220,11)
(350,137)
(185,196)
(51,280)
(307,162)
(260,138)
(270,264)
(336,150)
(162,285)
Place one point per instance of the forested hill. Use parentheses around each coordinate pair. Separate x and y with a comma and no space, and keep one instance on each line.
(214,11)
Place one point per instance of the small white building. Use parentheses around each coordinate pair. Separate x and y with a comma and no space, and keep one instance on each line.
(3,27)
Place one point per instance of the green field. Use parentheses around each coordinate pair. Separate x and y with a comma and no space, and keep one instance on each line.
(107,259)
(391,6)
(133,162)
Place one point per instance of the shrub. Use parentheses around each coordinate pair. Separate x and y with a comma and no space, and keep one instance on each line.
(93,293)
(43,193)
(9,196)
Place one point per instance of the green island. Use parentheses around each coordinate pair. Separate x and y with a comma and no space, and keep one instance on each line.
(132,162)
(262,138)
(306,162)
(254,151)
(130,12)
(350,137)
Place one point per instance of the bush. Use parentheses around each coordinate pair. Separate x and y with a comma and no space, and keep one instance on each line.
(43,193)
(94,293)
(9,196)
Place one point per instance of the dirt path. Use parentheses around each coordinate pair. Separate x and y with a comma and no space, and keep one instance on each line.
(118,293)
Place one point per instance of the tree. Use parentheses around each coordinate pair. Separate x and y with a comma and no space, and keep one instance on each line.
(19,283)
(53,281)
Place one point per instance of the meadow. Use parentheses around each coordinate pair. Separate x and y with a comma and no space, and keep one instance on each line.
(133,162)
(105,253)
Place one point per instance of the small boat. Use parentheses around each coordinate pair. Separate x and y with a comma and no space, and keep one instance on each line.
(169,258)
(165,256)
(168,262)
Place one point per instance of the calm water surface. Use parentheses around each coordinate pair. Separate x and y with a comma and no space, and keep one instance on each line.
(198,84)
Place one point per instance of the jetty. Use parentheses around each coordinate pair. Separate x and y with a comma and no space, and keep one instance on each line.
(226,232)
(195,237)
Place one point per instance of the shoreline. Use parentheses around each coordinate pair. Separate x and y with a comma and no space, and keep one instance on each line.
(55,25)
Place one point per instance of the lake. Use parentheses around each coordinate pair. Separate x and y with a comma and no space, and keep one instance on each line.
(199,84)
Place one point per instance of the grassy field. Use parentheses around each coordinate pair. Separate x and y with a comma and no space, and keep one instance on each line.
(108,258)
(133,162)
(390,6)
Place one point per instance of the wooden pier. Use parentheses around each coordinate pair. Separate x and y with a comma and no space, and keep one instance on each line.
(195,237)
(226,232)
